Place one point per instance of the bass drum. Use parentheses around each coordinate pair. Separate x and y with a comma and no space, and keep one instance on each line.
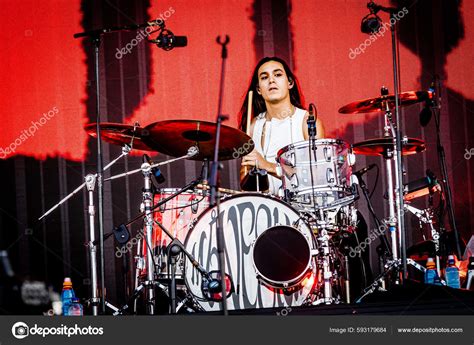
(245,218)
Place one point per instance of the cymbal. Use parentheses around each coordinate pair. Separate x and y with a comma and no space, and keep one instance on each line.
(175,137)
(379,146)
(377,104)
(119,134)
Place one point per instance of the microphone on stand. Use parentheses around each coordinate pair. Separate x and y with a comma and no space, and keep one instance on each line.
(166,40)
(362,171)
(157,176)
(312,119)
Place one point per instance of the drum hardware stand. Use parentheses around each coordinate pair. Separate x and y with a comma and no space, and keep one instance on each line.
(96,36)
(397,221)
(347,280)
(324,257)
(150,283)
(90,182)
(174,249)
(389,155)
(425,216)
(379,282)
(213,183)
(150,269)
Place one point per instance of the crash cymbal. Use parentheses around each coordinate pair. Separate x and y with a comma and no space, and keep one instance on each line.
(175,137)
(379,146)
(119,134)
(377,104)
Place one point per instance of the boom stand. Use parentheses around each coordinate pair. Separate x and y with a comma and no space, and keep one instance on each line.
(150,270)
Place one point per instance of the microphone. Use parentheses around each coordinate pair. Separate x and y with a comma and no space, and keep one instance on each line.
(362,171)
(426,113)
(157,176)
(371,23)
(211,286)
(166,40)
(214,286)
(121,234)
(312,119)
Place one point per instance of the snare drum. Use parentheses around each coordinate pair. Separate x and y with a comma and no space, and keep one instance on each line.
(322,180)
(268,253)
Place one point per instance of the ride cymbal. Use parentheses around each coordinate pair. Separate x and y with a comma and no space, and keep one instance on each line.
(378,104)
(175,137)
(380,146)
(119,134)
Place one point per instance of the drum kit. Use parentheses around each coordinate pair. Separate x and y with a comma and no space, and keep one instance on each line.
(279,250)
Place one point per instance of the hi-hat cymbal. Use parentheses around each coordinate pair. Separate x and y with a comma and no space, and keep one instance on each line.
(175,137)
(377,104)
(119,134)
(380,146)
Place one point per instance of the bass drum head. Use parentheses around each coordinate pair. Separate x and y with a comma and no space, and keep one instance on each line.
(244,218)
(282,256)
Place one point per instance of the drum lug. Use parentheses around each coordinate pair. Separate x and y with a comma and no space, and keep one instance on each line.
(329,175)
(314,252)
(327,154)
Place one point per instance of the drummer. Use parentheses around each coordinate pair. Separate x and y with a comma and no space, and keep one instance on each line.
(281,119)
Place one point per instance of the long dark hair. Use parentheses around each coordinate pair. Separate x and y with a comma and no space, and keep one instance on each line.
(258,103)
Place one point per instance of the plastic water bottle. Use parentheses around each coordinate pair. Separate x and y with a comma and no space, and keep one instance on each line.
(75,308)
(452,274)
(431,275)
(67,295)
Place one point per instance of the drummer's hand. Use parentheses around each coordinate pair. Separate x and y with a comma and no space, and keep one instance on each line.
(253,157)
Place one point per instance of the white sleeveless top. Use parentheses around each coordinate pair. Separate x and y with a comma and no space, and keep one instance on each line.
(278,134)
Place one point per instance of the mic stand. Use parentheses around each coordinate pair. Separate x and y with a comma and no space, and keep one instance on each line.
(400,226)
(398,147)
(312,130)
(213,183)
(436,107)
(96,35)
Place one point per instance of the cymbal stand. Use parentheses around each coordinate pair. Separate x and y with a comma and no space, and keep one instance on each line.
(90,181)
(397,141)
(389,156)
(150,269)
